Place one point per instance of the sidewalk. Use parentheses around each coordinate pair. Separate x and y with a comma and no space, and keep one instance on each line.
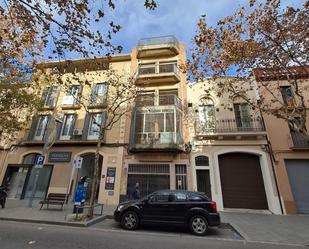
(18,210)
(269,228)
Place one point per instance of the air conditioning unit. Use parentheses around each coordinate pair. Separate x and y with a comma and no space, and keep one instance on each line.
(68,100)
(78,132)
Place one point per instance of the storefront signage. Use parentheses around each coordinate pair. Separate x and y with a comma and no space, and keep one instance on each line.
(110,178)
(56,157)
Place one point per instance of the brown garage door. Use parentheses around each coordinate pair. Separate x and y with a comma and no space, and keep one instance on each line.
(242,181)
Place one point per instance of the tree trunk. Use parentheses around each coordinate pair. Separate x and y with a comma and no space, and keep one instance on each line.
(96,177)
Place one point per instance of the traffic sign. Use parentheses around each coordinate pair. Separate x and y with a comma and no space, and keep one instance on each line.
(39,161)
(78,162)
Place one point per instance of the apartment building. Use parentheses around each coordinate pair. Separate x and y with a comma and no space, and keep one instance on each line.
(156,129)
(76,134)
(290,149)
(229,159)
(147,145)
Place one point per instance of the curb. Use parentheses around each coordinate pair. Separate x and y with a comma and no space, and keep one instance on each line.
(60,223)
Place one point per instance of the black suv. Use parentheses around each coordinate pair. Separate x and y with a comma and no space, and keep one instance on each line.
(192,209)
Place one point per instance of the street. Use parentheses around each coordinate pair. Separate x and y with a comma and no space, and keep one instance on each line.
(15,235)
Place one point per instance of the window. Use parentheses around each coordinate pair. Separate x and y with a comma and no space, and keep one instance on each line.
(159,197)
(207,117)
(95,126)
(242,115)
(99,93)
(168,97)
(287,95)
(146,98)
(181,176)
(179,197)
(68,126)
(72,96)
(196,197)
(49,96)
(147,68)
(201,161)
(167,67)
(41,127)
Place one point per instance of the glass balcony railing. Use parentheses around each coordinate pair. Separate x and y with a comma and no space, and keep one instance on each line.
(152,41)
(164,100)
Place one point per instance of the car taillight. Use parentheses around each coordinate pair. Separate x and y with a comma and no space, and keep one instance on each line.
(213,206)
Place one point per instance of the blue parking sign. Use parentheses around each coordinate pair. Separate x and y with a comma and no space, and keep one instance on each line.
(39,161)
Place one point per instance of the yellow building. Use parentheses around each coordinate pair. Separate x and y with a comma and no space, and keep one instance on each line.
(146,145)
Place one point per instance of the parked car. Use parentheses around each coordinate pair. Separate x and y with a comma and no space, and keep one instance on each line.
(192,209)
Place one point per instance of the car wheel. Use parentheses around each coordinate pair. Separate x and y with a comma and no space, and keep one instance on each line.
(198,225)
(130,220)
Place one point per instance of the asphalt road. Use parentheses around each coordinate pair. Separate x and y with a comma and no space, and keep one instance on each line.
(15,235)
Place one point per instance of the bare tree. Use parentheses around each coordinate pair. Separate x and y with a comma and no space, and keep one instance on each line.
(262,45)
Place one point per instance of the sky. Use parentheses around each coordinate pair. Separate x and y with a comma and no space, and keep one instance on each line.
(172,17)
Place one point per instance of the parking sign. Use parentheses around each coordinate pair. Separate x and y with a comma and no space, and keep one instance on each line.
(39,161)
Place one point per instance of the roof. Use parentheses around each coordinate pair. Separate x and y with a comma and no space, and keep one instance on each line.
(268,74)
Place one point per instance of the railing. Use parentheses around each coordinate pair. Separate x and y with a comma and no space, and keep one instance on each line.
(158,138)
(298,141)
(228,126)
(155,69)
(150,100)
(98,101)
(152,41)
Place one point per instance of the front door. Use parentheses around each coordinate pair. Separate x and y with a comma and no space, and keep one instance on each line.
(203,182)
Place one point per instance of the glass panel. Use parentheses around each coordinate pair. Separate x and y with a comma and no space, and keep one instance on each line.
(41,127)
(74,91)
(68,123)
(154,122)
(207,116)
(94,127)
(242,115)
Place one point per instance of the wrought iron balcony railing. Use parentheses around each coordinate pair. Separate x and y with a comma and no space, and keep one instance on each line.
(228,126)
(298,141)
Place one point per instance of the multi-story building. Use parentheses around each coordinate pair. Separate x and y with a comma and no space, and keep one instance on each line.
(229,159)
(146,146)
(156,129)
(290,148)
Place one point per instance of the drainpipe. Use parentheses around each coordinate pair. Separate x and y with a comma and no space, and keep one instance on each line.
(272,160)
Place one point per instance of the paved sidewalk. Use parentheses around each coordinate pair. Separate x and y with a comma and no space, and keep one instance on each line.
(18,210)
(281,229)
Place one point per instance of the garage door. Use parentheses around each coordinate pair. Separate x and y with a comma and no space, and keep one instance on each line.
(242,181)
(151,177)
(298,172)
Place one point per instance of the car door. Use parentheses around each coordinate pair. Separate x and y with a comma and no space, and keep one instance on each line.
(178,207)
(156,209)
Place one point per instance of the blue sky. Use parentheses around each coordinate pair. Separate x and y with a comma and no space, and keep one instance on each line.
(172,17)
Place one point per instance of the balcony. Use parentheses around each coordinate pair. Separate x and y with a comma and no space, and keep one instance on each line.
(97,102)
(157,47)
(163,100)
(229,127)
(157,74)
(298,141)
(157,128)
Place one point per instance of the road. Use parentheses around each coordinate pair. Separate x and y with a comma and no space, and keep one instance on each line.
(15,235)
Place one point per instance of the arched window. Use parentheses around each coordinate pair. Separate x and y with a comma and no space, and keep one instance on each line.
(30,158)
(207,117)
(201,161)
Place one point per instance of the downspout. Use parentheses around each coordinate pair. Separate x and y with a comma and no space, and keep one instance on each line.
(272,160)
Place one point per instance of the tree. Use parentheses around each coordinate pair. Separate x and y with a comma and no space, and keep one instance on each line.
(262,45)
(121,92)
(31,30)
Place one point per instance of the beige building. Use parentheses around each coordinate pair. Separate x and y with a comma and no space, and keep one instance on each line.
(290,149)
(229,158)
(146,146)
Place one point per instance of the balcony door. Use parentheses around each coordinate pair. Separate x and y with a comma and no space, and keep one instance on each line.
(41,127)
(68,126)
(95,126)
(242,115)
(207,117)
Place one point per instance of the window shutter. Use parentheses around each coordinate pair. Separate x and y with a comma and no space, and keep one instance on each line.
(47,127)
(44,95)
(58,127)
(33,127)
(86,126)
(73,125)
(93,93)
(103,122)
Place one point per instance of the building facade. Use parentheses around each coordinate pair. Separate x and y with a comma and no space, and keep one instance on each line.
(229,158)
(290,148)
